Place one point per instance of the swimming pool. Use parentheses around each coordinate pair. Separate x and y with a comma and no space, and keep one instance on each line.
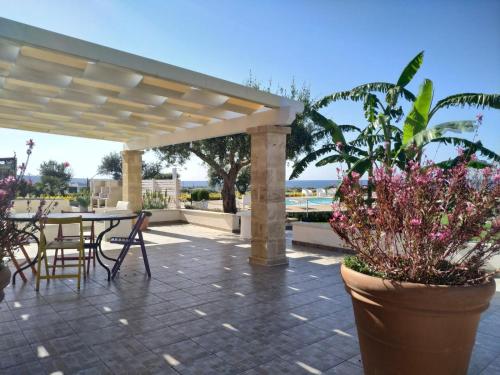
(311,201)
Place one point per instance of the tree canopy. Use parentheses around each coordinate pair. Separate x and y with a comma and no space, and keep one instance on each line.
(55,177)
(227,157)
(111,165)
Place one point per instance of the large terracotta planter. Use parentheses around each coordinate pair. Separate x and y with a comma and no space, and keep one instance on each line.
(408,328)
(4,280)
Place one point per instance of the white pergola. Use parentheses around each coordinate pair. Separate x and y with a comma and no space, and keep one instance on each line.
(57,84)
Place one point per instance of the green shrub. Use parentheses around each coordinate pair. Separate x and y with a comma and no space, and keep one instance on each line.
(155,200)
(200,195)
(194,195)
(312,217)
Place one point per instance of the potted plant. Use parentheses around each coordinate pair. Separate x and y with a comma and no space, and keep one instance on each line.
(152,200)
(417,282)
(200,198)
(83,200)
(10,236)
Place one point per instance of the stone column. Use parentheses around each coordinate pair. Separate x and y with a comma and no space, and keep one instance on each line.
(132,179)
(268,195)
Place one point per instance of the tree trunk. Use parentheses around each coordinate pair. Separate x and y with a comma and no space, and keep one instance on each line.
(229,193)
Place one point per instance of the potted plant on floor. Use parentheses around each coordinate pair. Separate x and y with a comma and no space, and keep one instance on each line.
(83,200)
(417,283)
(9,236)
(199,198)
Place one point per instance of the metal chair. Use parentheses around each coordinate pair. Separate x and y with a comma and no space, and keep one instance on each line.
(64,243)
(135,238)
(18,265)
(88,244)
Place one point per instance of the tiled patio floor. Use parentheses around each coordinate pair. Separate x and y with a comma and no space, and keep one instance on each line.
(204,311)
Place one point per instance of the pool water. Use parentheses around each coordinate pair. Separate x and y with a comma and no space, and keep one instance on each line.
(298,201)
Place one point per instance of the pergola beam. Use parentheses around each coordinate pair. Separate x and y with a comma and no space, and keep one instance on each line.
(281,116)
(31,35)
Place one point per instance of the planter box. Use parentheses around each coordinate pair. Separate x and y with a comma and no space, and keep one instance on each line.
(318,235)
(216,220)
(202,205)
(159,215)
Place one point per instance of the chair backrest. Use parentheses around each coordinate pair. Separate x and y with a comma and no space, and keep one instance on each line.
(60,221)
(122,205)
(82,212)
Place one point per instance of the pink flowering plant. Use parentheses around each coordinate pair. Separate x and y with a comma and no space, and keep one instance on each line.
(10,235)
(428,225)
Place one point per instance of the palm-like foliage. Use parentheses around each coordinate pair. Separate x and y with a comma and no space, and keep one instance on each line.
(382,140)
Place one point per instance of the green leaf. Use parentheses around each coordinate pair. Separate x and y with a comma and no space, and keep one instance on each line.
(425,136)
(410,70)
(300,166)
(360,92)
(339,158)
(468,100)
(361,166)
(473,147)
(349,128)
(478,164)
(417,119)
(329,125)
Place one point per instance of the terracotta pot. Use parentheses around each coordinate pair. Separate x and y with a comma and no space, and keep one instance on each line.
(4,280)
(145,224)
(408,328)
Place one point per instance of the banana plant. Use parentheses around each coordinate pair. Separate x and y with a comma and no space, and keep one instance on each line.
(382,140)
(371,144)
(416,131)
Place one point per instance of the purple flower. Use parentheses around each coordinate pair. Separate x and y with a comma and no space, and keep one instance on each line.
(415,222)
(479,118)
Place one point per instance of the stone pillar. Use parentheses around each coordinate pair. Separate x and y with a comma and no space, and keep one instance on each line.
(132,179)
(268,195)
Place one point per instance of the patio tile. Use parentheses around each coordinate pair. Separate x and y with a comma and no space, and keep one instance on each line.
(217,315)
(314,357)
(179,316)
(107,334)
(71,362)
(34,367)
(219,340)
(307,333)
(12,340)
(119,351)
(15,356)
(6,315)
(160,338)
(40,334)
(248,355)
(345,368)
(182,352)
(279,366)
(58,346)
(79,312)
(196,327)
(211,365)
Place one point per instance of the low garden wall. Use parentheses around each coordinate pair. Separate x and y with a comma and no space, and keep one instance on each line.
(318,235)
(216,220)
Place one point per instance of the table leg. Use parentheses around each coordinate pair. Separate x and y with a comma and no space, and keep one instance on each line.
(98,247)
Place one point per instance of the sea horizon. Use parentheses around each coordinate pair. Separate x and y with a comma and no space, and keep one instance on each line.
(191,184)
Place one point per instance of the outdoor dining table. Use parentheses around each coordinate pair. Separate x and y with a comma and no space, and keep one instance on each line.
(113,218)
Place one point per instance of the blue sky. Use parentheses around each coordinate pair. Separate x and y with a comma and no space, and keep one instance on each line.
(328,45)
